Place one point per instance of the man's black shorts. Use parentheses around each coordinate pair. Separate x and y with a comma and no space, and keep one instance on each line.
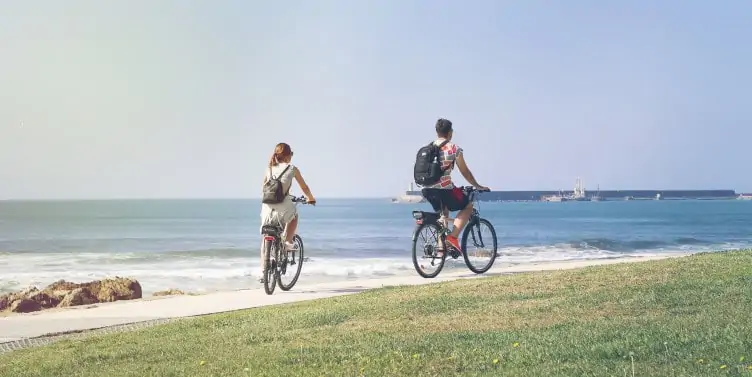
(454,199)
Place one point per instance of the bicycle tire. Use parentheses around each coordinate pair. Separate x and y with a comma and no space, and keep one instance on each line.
(270,272)
(300,253)
(415,251)
(465,236)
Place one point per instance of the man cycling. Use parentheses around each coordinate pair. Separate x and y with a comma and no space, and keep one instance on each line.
(444,191)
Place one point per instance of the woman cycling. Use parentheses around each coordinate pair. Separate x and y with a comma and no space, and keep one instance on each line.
(284,212)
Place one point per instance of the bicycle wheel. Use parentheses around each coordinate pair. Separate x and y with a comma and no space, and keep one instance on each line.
(485,256)
(270,268)
(427,252)
(293,263)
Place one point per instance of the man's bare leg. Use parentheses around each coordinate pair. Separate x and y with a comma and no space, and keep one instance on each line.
(444,213)
(461,220)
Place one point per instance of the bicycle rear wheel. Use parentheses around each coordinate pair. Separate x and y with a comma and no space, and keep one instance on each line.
(292,264)
(270,268)
(425,255)
(483,258)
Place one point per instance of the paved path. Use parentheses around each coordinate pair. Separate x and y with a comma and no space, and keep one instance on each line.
(17,327)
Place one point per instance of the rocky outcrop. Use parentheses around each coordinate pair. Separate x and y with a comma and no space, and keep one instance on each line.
(63,294)
(169,292)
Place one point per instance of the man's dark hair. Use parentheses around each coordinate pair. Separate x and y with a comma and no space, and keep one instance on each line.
(443,127)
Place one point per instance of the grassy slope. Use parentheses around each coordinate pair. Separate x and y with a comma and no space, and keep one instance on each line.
(681,317)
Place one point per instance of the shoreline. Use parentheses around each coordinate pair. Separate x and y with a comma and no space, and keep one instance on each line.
(321,269)
(16,328)
(453,267)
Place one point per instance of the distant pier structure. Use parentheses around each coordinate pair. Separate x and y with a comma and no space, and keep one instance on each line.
(579,194)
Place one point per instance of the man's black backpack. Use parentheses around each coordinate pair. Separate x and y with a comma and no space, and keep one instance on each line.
(273,192)
(427,170)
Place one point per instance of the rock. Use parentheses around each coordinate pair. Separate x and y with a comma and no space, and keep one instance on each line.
(60,288)
(64,294)
(25,305)
(169,292)
(4,302)
(78,296)
(7,300)
(119,289)
(44,300)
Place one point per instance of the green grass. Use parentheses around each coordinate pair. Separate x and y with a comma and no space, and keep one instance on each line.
(681,317)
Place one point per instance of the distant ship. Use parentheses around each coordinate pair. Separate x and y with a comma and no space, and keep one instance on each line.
(597,196)
(745,196)
(410,196)
(555,198)
(578,195)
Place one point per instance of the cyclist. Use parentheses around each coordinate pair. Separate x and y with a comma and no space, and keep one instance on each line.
(444,191)
(284,212)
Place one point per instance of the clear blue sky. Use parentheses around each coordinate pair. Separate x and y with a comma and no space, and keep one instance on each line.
(176,98)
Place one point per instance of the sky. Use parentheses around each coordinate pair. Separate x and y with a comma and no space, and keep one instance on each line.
(187,99)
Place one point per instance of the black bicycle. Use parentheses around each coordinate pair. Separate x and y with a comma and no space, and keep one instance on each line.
(434,251)
(276,260)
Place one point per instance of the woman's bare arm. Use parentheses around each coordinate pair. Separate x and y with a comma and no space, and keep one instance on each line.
(304,186)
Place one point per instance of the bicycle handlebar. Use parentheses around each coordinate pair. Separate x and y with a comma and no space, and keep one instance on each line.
(302,199)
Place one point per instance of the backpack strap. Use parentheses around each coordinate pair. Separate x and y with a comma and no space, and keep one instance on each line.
(440,151)
(271,176)
(280,176)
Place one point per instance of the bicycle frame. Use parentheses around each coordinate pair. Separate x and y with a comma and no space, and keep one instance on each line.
(438,223)
(442,220)
(274,257)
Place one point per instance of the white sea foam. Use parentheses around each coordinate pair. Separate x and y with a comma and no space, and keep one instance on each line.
(206,273)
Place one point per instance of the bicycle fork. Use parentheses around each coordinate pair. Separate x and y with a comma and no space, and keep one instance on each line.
(472,233)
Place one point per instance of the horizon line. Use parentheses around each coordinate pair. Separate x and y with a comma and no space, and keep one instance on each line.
(62,199)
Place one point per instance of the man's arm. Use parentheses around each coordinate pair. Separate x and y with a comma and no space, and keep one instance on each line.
(460,161)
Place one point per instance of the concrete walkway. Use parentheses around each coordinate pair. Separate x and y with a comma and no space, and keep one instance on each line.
(16,327)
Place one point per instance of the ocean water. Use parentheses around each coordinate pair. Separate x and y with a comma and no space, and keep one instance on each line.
(209,245)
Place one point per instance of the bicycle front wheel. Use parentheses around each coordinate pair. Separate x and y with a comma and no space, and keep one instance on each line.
(426,259)
(270,270)
(292,263)
(482,237)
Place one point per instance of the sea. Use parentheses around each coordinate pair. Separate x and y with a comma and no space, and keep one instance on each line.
(213,245)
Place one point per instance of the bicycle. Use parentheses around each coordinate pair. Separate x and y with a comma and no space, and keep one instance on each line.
(273,252)
(438,225)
